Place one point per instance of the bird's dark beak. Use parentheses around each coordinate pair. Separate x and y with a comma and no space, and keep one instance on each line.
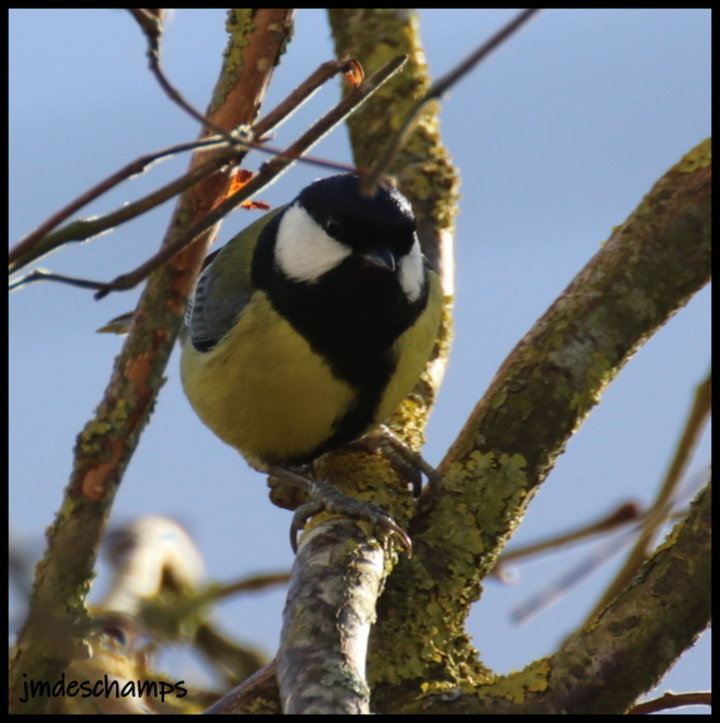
(381,258)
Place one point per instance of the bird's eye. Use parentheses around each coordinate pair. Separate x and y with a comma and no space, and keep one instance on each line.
(333,227)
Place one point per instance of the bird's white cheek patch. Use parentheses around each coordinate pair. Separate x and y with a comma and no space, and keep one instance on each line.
(412,273)
(303,251)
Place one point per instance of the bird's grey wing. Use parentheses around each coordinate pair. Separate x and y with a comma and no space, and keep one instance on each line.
(224,287)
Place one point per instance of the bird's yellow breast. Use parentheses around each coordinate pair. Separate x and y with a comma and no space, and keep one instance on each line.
(263,390)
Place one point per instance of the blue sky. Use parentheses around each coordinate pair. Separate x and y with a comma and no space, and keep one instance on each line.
(557,137)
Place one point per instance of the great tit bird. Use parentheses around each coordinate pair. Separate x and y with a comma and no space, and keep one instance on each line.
(312,325)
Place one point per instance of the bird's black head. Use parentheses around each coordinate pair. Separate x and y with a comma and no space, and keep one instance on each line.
(382,223)
(346,271)
(332,234)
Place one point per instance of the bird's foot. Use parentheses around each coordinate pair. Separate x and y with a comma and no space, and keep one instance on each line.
(410,462)
(325,496)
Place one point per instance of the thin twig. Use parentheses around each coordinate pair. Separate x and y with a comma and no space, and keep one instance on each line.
(86,228)
(622,515)
(301,95)
(551,592)
(150,25)
(662,505)
(262,685)
(671,700)
(248,584)
(442,85)
(17,256)
(436,91)
(44,275)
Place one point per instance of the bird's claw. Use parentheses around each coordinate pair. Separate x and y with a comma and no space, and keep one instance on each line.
(385,439)
(357,508)
(326,496)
